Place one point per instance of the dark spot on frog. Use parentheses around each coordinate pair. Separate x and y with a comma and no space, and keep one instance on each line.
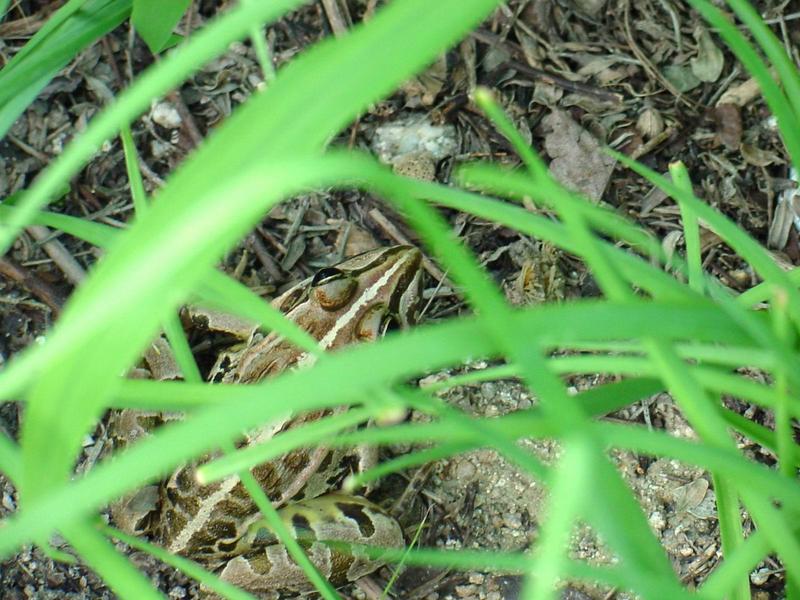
(357,513)
(226,547)
(302,527)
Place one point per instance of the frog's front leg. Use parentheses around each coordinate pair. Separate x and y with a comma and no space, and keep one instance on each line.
(265,567)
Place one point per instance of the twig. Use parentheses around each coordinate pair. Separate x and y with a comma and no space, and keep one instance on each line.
(397,235)
(648,66)
(71,268)
(551,78)
(28,149)
(335,17)
(40,289)
(258,248)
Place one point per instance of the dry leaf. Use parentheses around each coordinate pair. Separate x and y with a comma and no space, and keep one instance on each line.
(729,125)
(578,159)
(708,64)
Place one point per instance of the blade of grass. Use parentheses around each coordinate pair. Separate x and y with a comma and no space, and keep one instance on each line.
(397,357)
(785,107)
(730,530)
(115,569)
(564,507)
(65,33)
(784,430)
(157,80)
(138,194)
(691,229)
(154,20)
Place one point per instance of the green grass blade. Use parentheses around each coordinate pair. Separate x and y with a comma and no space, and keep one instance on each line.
(691,229)
(730,530)
(138,194)
(564,507)
(785,107)
(206,44)
(116,570)
(744,245)
(155,20)
(73,27)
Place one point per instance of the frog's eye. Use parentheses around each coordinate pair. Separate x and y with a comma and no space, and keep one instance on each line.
(323,275)
(332,288)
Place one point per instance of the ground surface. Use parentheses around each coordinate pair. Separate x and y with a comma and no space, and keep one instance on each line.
(646,78)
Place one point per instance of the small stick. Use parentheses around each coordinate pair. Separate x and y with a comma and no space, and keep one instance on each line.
(71,268)
(34,284)
(394,233)
(335,17)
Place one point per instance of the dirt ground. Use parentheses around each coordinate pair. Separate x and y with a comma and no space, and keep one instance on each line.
(647,78)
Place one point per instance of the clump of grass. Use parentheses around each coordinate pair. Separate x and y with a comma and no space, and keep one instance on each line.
(658,332)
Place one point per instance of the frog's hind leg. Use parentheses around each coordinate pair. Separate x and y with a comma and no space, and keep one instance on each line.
(267,566)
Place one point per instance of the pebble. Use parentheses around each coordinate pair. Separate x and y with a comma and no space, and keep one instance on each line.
(166,115)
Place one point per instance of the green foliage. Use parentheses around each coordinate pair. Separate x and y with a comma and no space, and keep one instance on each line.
(154,20)
(651,329)
(71,29)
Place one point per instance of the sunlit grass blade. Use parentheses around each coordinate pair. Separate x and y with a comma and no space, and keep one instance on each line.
(744,245)
(205,45)
(115,569)
(785,107)
(564,507)
(138,194)
(332,382)
(691,229)
(62,36)
(642,274)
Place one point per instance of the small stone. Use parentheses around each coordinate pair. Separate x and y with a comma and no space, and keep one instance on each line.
(416,165)
(166,115)
(760,576)
(466,591)
(476,578)
(657,521)
(178,592)
(650,123)
(8,502)
(465,471)
(512,520)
